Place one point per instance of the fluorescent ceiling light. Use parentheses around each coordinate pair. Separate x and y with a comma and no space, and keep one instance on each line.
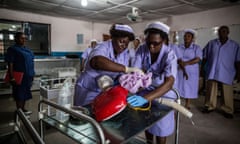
(1,36)
(84,3)
(11,37)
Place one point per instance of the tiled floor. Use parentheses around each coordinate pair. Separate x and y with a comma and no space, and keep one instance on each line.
(210,128)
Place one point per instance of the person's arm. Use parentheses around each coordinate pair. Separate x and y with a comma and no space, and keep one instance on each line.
(237,64)
(103,63)
(182,67)
(202,67)
(10,71)
(238,71)
(82,64)
(9,58)
(183,64)
(190,62)
(84,56)
(204,60)
(170,73)
(161,90)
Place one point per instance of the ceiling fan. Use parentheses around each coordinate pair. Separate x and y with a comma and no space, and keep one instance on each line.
(134,15)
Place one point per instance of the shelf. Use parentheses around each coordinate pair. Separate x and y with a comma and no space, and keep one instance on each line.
(82,133)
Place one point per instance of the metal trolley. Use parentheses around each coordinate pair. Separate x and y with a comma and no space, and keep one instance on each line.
(89,131)
(119,129)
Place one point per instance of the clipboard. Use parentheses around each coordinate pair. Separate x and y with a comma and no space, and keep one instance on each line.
(18,76)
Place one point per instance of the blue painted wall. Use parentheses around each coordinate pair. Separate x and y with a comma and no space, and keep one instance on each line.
(55,53)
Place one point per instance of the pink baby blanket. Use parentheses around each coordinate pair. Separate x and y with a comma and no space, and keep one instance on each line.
(133,81)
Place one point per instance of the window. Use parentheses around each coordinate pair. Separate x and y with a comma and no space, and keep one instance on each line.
(38,36)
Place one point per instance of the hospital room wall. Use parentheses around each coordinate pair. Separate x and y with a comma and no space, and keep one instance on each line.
(63,31)
(211,18)
(206,19)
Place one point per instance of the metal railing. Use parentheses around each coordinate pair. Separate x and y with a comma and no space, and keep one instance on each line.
(178,100)
(85,117)
(29,127)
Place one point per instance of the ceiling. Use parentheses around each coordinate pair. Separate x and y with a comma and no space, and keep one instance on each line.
(115,11)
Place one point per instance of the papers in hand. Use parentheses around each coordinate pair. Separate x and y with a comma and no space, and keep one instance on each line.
(18,76)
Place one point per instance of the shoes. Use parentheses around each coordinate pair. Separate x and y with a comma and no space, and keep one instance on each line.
(206,110)
(26,112)
(228,115)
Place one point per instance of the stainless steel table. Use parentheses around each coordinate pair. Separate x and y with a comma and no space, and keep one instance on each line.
(120,129)
(129,123)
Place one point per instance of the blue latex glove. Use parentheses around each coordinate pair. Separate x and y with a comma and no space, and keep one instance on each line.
(136,100)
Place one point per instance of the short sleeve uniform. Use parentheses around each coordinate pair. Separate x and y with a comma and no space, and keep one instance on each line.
(221,60)
(188,88)
(22,59)
(165,66)
(86,88)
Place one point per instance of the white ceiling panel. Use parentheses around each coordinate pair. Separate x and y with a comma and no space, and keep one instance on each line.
(181,10)
(110,11)
(156,4)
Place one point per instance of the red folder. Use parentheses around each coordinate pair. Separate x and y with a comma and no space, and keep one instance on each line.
(18,76)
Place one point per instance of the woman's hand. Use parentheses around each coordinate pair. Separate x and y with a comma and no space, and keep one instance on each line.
(136,101)
(182,65)
(133,69)
(12,81)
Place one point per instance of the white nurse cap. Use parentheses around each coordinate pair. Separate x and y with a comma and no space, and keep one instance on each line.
(190,31)
(93,40)
(138,38)
(160,26)
(124,28)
